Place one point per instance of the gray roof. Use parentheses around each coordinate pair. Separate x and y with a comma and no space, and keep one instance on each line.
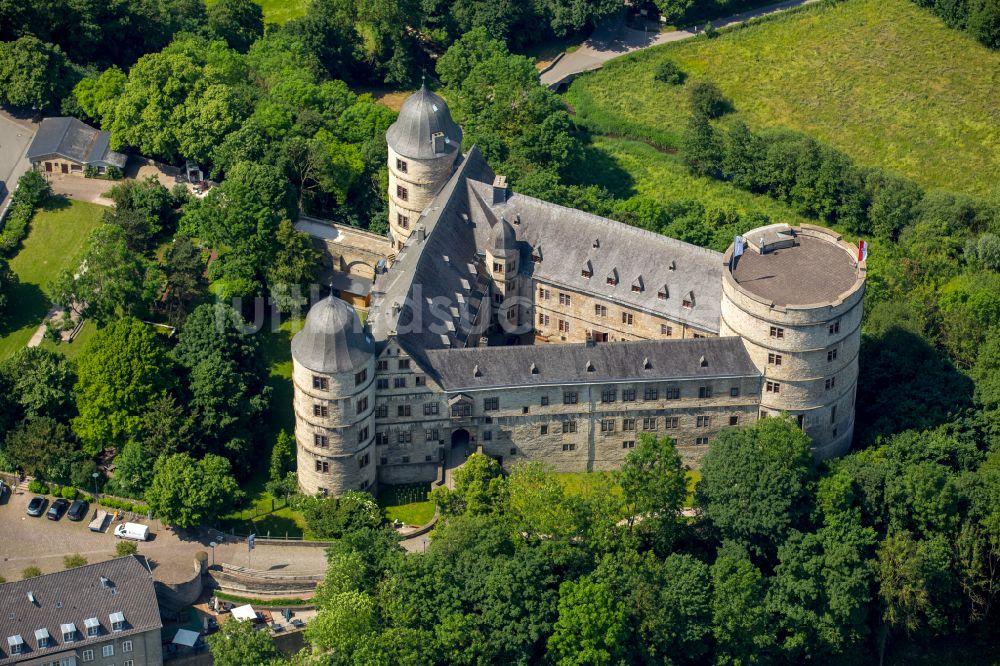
(503,236)
(69,138)
(422,115)
(73,596)
(332,339)
(560,364)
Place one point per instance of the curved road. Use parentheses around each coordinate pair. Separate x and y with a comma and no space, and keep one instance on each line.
(611,41)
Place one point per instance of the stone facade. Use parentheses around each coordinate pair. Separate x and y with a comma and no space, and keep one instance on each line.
(413,184)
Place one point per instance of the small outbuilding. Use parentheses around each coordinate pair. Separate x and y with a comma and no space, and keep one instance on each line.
(66,145)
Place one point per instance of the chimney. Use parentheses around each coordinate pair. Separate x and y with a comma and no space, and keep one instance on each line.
(420,232)
(499,190)
(440,142)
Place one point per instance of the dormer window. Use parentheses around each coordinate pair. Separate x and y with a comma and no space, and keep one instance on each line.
(663,294)
(42,638)
(16,644)
(703,362)
(536,255)
(117,621)
(93,627)
(597,243)
(587,271)
(637,285)
(672,266)
(613,276)
(68,632)
(590,366)
(688,301)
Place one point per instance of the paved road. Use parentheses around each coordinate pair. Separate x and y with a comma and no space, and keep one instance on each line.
(15,137)
(611,41)
(27,541)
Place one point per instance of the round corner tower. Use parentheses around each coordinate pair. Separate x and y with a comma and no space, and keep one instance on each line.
(333,375)
(424,144)
(796,297)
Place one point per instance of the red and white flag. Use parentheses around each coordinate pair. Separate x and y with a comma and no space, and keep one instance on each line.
(862,251)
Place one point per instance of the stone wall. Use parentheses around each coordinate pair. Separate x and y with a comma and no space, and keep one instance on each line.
(422,180)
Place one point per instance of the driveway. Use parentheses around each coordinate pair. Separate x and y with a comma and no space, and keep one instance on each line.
(27,541)
(15,137)
(80,188)
(611,41)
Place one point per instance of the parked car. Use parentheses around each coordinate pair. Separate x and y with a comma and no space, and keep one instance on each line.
(36,506)
(4,491)
(57,509)
(134,531)
(77,510)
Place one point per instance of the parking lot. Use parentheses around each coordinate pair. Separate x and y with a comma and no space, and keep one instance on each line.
(27,541)
(15,135)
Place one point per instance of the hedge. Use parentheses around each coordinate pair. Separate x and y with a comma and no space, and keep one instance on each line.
(264,603)
(38,487)
(32,190)
(111,503)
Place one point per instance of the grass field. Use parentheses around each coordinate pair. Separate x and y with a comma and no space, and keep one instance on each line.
(55,239)
(882,80)
(278,11)
(579,483)
(407,503)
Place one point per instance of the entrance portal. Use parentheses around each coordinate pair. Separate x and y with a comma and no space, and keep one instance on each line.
(460,438)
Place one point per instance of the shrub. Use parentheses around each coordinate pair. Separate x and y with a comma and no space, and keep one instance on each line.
(70,493)
(708,100)
(74,561)
(31,190)
(31,572)
(123,548)
(668,72)
(38,487)
(55,489)
(89,171)
(710,31)
(2,580)
(113,173)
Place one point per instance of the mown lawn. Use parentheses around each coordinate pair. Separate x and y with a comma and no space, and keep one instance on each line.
(55,240)
(407,502)
(882,80)
(579,483)
(278,11)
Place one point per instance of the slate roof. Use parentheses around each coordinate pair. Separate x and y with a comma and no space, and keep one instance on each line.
(560,364)
(74,596)
(69,138)
(422,115)
(332,339)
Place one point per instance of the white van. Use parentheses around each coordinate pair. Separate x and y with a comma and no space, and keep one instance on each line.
(134,531)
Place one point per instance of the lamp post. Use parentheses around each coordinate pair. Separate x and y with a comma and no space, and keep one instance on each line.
(213,545)
(425,544)
(95,475)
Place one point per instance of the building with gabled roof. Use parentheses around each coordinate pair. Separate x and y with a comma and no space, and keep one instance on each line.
(533,331)
(102,613)
(66,145)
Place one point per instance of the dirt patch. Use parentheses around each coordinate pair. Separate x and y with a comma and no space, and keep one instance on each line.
(389,97)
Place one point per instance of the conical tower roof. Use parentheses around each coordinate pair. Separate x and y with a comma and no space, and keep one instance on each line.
(423,115)
(333,339)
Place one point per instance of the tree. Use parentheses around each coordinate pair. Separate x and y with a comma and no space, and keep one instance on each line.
(345,621)
(239,643)
(123,368)
(165,426)
(701,148)
(295,264)
(31,572)
(239,22)
(134,469)
(41,382)
(7,281)
(74,561)
(37,445)
(187,494)
(668,72)
(183,271)
(282,480)
(126,548)
(653,481)
(334,517)
(741,625)
(97,97)
(707,100)
(33,73)
(473,47)
(754,483)
(479,488)
(591,628)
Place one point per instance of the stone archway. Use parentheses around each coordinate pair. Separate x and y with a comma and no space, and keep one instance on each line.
(460,438)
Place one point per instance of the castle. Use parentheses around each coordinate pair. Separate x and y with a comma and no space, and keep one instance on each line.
(531,331)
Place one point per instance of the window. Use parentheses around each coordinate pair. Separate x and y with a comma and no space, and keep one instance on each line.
(544,401)
(649,423)
(734,392)
(833,414)
(404,437)
(381,439)
(524,410)
(608,395)
(108,650)
(536,258)
(402,193)
(651,393)
(497,267)
(404,364)
(431,435)
(701,441)
(403,220)
(464,409)
(666,330)
(321,410)
(564,299)
(513,450)
(512,313)
(628,424)
(600,311)
(382,383)
(777,332)
(688,302)
(361,406)
(381,411)
(404,410)
(627,318)
(671,422)
(570,398)
(569,447)
(586,273)
(404,459)
(628,444)
(543,430)
(569,426)
(607,425)
(127,645)
(382,365)
(636,287)
(612,279)
(400,165)
(628,395)
(420,380)
(734,420)
(360,377)
(563,326)
(673,393)
(491,404)
(774,359)
(704,391)
(128,662)
(487,435)
(543,319)
(362,435)
(773,387)
(830,383)
(835,327)
(399,382)
(431,408)
(544,294)
(704,421)
(321,383)
(321,440)
(88,655)
(831,355)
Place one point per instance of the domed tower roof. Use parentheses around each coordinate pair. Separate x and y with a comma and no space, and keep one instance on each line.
(503,236)
(423,115)
(332,339)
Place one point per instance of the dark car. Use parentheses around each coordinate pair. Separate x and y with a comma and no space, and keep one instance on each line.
(57,509)
(36,506)
(4,491)
(77,510)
